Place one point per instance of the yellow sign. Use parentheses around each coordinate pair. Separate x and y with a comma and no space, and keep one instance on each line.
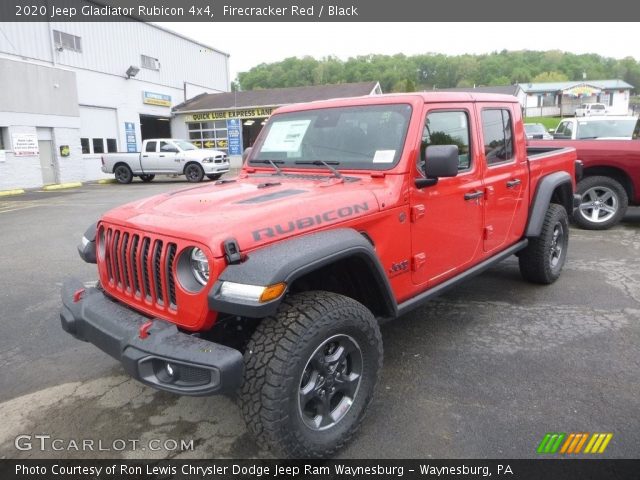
(224,114)
(160,99)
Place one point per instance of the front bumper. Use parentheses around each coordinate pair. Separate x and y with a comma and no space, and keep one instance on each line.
(196,366)
(210,168)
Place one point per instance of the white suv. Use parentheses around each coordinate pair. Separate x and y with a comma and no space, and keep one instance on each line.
(588,109)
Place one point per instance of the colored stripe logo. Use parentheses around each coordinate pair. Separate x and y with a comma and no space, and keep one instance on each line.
(573,443)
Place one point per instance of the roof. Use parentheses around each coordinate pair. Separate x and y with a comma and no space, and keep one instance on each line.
(556,86)
(275,96)
(415,99)
(503,89)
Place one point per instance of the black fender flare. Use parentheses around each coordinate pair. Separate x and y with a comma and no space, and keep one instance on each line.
(290,259)
(546,186)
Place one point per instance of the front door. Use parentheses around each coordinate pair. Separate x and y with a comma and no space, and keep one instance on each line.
(447,217)
(47,162)
(167,157)
(505,177)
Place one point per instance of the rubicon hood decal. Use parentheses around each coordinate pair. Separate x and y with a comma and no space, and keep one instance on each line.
(330,216)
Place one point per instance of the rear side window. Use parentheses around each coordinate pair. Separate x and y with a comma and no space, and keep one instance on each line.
(498,135)
(151,147)
(448,128)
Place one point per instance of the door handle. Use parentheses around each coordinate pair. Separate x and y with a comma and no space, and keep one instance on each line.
(473,195)
(145,156)
(513,183)
(161,156)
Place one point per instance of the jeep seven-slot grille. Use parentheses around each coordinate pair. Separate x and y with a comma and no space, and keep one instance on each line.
(141,266)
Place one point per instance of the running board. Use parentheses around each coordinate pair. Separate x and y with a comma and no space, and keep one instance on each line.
(427,295)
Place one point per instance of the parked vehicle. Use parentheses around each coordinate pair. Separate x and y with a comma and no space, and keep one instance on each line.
(589,109)
(537,131)
(347,213)
(596,128)
(166,156)
(611,179)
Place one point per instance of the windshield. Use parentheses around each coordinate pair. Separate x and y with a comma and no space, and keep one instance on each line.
(362,137)
(184,145)
(618,128)
(534,128)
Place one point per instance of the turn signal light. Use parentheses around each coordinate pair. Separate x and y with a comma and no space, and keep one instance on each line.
(272,292)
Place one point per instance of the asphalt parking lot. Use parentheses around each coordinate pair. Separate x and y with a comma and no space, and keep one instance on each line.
(482,372)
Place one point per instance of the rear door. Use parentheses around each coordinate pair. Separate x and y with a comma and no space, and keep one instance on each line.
(505,175)
(447,217)
(148,157)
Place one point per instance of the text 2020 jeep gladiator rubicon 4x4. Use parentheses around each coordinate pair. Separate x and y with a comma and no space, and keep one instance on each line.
(346,213)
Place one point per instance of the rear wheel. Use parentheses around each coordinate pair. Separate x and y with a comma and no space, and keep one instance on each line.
(194,173)
(542,260)
(123,173)
(603,203)
(310,374)
(147,178)
(214,176)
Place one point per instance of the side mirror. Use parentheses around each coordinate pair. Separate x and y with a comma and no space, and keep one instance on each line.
(246,153)
(441,161)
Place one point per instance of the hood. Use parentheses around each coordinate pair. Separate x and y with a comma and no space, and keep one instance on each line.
(202,153)
(255,211)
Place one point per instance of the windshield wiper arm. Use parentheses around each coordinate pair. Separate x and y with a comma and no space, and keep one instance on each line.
(335,172)
(273,163)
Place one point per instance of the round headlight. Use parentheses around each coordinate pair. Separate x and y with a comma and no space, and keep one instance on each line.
(199,266)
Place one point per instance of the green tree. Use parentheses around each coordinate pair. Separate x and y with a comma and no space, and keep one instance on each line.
(550,77)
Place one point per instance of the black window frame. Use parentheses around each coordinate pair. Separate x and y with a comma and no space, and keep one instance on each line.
(85,144)
(93,145)
(155,146)
(112,142)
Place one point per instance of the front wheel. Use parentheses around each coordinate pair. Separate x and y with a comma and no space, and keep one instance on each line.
(310,374)
(194,173)
(542,260)
(603,203)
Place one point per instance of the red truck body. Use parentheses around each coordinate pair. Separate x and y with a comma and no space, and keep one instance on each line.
(611,173)
(347,213)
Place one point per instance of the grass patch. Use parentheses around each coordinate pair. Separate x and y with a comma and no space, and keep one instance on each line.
(548,122)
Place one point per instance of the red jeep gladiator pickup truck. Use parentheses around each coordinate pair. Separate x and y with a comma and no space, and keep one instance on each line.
(611,178)
(347,213)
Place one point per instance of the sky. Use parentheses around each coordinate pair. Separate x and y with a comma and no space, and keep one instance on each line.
(250,44)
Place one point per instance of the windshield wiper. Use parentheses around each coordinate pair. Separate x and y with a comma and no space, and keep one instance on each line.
(335,172)
(272,163)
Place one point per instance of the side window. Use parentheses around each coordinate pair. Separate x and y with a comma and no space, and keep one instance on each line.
(568,131)
(84,142)
(498,135)
(98,145)
(151,147)
(447,128)
(164,146)
(561,128)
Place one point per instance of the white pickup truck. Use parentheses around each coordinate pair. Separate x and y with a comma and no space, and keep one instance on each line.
(166,156)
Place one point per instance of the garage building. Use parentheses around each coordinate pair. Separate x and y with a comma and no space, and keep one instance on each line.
(231,121)
(72,91)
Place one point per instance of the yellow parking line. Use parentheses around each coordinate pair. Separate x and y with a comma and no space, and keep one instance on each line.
(6,193)
(107,180)
(60,186)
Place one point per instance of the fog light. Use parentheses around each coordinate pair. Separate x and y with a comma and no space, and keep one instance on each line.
(170,371)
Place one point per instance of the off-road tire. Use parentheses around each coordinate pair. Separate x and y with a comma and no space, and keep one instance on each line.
(600,186)
(147,178)
(123,174)
(214,176)
(541,261)
(276,358)
(194,173)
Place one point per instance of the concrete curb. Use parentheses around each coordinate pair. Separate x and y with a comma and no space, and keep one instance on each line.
(61,186)
(7,193)
(106,180)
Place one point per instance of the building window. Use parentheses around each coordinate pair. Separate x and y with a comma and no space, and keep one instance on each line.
(112,145)
(149,63)
(498,135)
(84,142)
(98,145)
(67,41)
(209,135)
(2,131)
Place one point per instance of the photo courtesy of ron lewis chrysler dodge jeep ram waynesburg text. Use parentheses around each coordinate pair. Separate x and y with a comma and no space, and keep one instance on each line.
(347,213)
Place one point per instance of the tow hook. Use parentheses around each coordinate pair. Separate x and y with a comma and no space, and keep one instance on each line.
(144,329)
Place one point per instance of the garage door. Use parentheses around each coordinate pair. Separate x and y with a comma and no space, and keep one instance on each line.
(98,130)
